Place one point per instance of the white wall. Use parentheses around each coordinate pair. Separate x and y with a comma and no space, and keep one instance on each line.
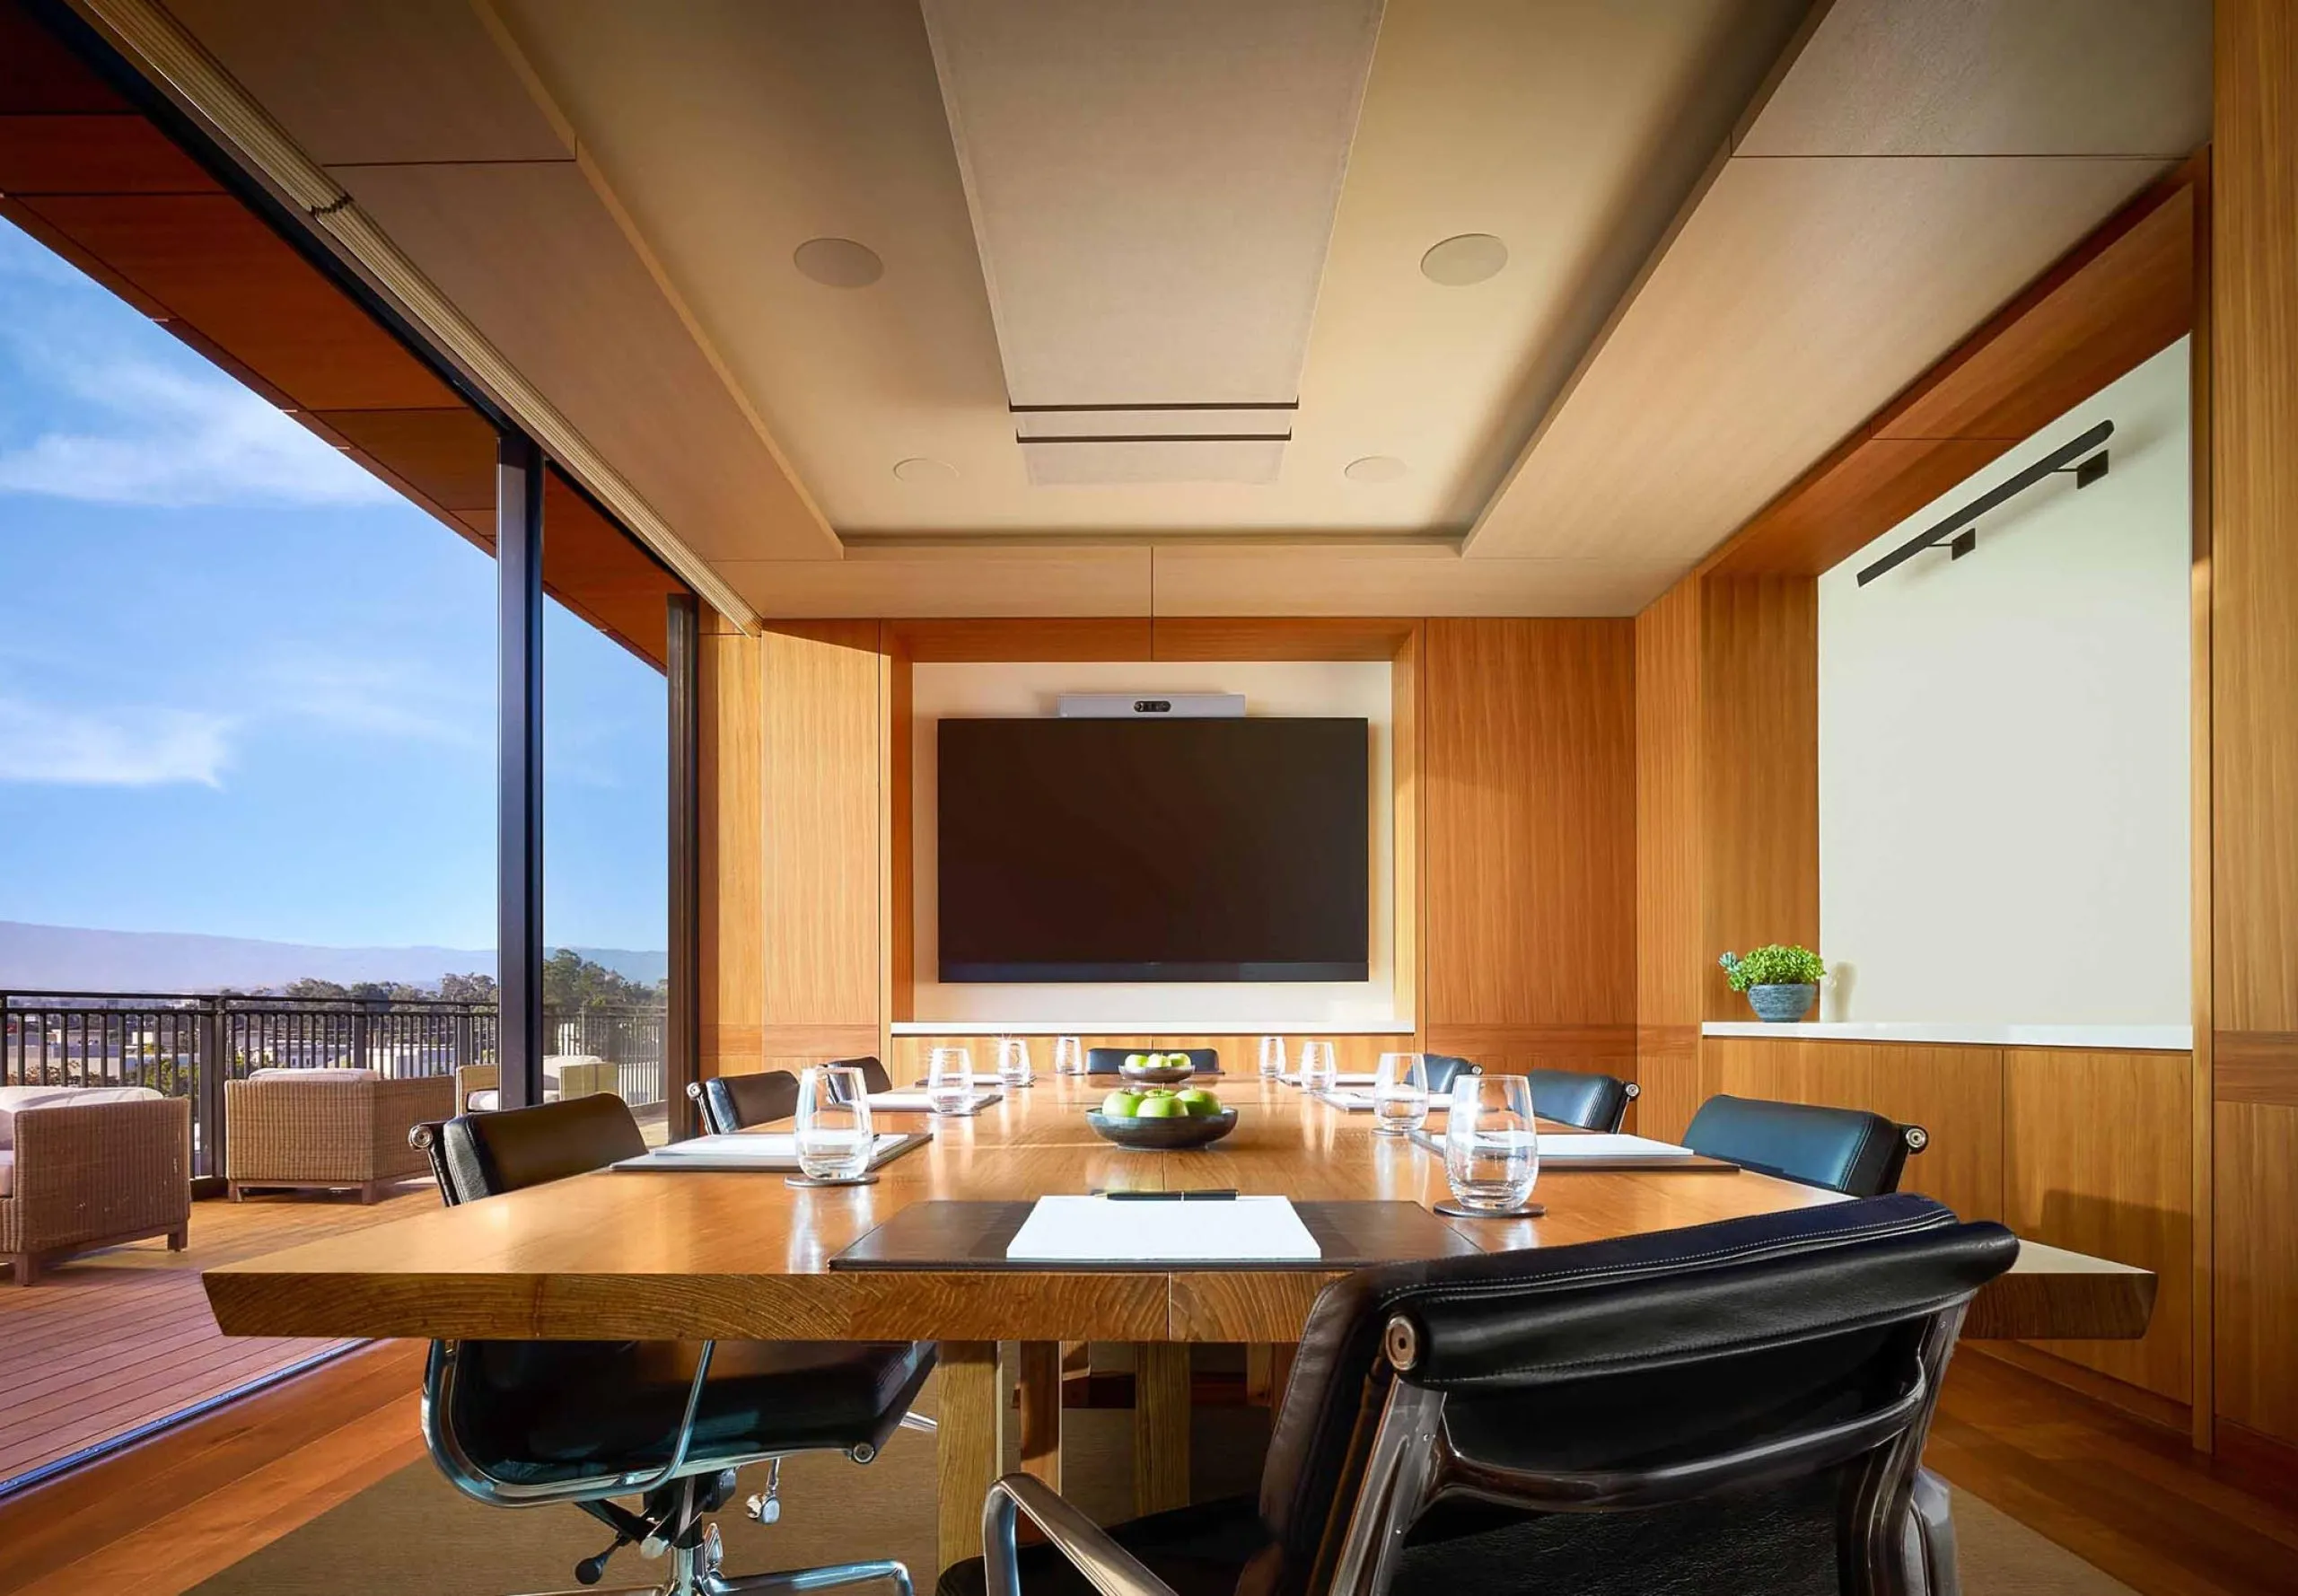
(2002,744)
(1019,688)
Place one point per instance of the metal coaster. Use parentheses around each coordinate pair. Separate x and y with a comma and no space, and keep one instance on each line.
(805,1182)
(1454,1211)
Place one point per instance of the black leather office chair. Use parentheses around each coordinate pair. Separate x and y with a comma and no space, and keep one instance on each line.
(1103,1061)
(1846,1149)
(519,1423)
(1732,1406)
(1591,1101)
(735,1102)
(874,1077)
(1443,1069)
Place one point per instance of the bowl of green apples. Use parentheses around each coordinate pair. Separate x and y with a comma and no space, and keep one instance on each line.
(1161,1119)
(1156,1069)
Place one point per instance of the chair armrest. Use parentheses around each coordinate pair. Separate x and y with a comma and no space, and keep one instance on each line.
(1107,1566)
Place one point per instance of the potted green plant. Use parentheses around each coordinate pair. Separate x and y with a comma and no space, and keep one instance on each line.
(1782,982)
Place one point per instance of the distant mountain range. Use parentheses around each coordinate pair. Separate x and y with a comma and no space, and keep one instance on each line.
(72,959)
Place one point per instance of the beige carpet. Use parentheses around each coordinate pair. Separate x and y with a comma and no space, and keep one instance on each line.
(412,1533)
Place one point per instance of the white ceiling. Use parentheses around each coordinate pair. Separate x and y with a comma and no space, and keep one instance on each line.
(613,193)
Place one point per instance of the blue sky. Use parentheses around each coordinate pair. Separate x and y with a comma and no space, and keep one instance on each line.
(247,690)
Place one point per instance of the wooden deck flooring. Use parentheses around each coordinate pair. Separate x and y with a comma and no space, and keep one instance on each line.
(115,1340)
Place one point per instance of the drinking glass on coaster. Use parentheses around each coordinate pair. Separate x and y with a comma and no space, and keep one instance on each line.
(948,1081)
(833,1130)
(1492,1149)
(1272,1058)
(1399,1094)
(1068,1056)
(1319,1070)
(1014,1062)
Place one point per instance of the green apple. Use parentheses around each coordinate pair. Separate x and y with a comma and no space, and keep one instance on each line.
(1162,1108)
(1198,1102)
(1176,1061)
(1137,1061)
(1121,1105)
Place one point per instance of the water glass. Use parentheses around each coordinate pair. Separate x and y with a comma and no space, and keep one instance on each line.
(1014,1062)
(1319,1072)
(1272,1058)
(1492,1149)
(1399,1094)
(1068,1056)
(834,1137)
(948,1081)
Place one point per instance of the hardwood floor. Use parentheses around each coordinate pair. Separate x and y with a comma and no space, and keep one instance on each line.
(116,1340)
(2125,1495)
(2132,1498)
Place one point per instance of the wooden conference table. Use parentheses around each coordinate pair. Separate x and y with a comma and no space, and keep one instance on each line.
(737,1255)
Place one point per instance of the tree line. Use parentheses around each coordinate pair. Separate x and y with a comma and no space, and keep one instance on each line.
(569,981)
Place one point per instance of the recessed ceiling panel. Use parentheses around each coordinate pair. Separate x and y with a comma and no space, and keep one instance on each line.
(1152,184)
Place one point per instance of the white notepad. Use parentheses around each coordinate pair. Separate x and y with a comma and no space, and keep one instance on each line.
(1090,1229)
(1611,1147)
(918,1102)
(746,1150)
(1361,1102)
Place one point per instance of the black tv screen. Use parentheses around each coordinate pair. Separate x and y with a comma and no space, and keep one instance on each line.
(1148,850)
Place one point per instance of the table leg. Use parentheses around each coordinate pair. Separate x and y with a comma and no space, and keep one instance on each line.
(967,1456)
(1267,1367)
(1039,1382)
(1160,1425)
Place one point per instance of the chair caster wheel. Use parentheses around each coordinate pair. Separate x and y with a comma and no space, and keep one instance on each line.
(766,1510)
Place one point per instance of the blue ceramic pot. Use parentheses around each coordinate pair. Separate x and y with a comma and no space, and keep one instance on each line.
(1783,1004)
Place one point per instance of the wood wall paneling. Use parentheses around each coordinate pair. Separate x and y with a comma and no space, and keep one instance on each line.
(2256,1267)
(1759,770)
(1288,637)
(1668,955)
(822,884)
(733,770)
(2253,571)
(1407,825)
(1528,742)
(2099,1159)
(991,640)
(2202,1115)
(1955,1093)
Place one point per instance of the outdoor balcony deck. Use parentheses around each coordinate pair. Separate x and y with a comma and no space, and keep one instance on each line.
(116,1340)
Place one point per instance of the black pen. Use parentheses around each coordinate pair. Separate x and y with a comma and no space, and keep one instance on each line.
(1219,1195)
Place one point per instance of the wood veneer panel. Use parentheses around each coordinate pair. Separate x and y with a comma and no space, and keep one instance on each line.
(1277,637)
(2258,1066)
(2202,1422)
(2253,483)
(993,640)
(94,154)
(731,776)
(969,1454)
(1759,770)
(897,823)
(2098,1159)
(1528,741)
(446,454)
(216,266)
(1954,1094)
(1407,827)
(1669,956)
(2256,1267)
(821,806)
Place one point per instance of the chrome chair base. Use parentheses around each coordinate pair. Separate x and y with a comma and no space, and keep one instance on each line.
(694,1571)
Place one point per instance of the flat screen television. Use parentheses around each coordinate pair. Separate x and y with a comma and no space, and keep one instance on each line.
(1149,850)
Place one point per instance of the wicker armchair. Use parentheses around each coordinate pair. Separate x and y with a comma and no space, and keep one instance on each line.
(329,1132)
(84,1176)
(479,1087)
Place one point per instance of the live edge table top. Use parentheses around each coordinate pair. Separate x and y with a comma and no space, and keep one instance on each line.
(743,1254)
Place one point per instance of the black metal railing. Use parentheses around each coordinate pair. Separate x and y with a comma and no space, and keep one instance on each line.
(187,1044)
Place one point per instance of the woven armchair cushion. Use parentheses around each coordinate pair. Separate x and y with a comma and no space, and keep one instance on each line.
(8,1174)
(325,1073)
(19,1099)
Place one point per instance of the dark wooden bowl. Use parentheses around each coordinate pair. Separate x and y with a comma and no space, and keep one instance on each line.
(1158,1074)
(1163,1135)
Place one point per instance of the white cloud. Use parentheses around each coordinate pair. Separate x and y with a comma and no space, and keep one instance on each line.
(110,748)
(180,439)
(379,697)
